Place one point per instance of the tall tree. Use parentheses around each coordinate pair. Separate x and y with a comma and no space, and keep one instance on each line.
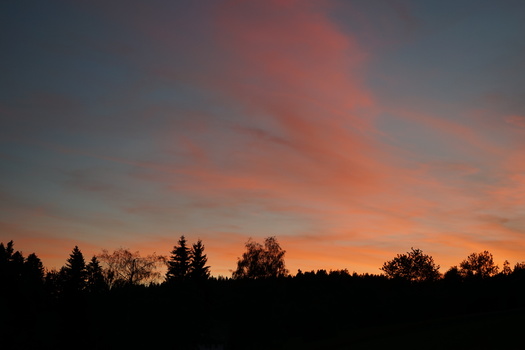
(179,262)
(412,266)
(74,272)
(261,261)
(198,269)
(479,265)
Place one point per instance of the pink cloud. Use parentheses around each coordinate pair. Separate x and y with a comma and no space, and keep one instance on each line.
(516,120)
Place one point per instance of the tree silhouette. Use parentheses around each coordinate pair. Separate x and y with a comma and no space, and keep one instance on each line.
(33,271)
(413,266)
(123,267)
(453,275)
(11,267)
(479,265)
(507,270)
(198,268)
(16,269)
(179,262)
(74,272)
(95,276)
(53,282)
(5,254)
(520,266)
(261,261)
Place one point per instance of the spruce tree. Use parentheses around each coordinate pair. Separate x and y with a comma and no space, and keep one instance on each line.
(74,273)
(179,262)
(198,268)
(95,281)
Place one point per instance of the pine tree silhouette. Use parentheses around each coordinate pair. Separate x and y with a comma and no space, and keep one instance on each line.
(179,262)
(95,277)
(74,273)
(198,268)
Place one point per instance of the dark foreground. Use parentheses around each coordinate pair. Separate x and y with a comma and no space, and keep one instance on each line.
(311,312)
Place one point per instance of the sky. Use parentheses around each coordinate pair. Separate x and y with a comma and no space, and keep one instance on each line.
(349,130)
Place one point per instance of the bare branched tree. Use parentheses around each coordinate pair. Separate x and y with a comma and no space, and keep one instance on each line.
(123,267)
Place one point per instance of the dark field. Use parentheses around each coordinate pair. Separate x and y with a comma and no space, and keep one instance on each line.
(309,312)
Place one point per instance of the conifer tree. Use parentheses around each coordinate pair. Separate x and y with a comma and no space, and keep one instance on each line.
(33,271)
(95,278)
(5,254)
(198,268)
(16,267)
(74,273)
(179,262)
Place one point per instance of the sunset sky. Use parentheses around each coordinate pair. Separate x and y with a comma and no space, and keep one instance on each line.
(350,130)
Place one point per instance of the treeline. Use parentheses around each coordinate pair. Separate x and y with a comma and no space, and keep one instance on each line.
(122,268)
(119,299)
(103,272)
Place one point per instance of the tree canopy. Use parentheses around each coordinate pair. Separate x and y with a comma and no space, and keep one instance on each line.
(412,266)
(261,261)
(123,267)
(478,265)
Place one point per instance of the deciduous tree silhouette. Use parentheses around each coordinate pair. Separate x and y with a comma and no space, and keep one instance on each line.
(123,267)
(179,262)
(261,261)
(507,270)
(198,268)
(479,265)
(413,266)
(520,266)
